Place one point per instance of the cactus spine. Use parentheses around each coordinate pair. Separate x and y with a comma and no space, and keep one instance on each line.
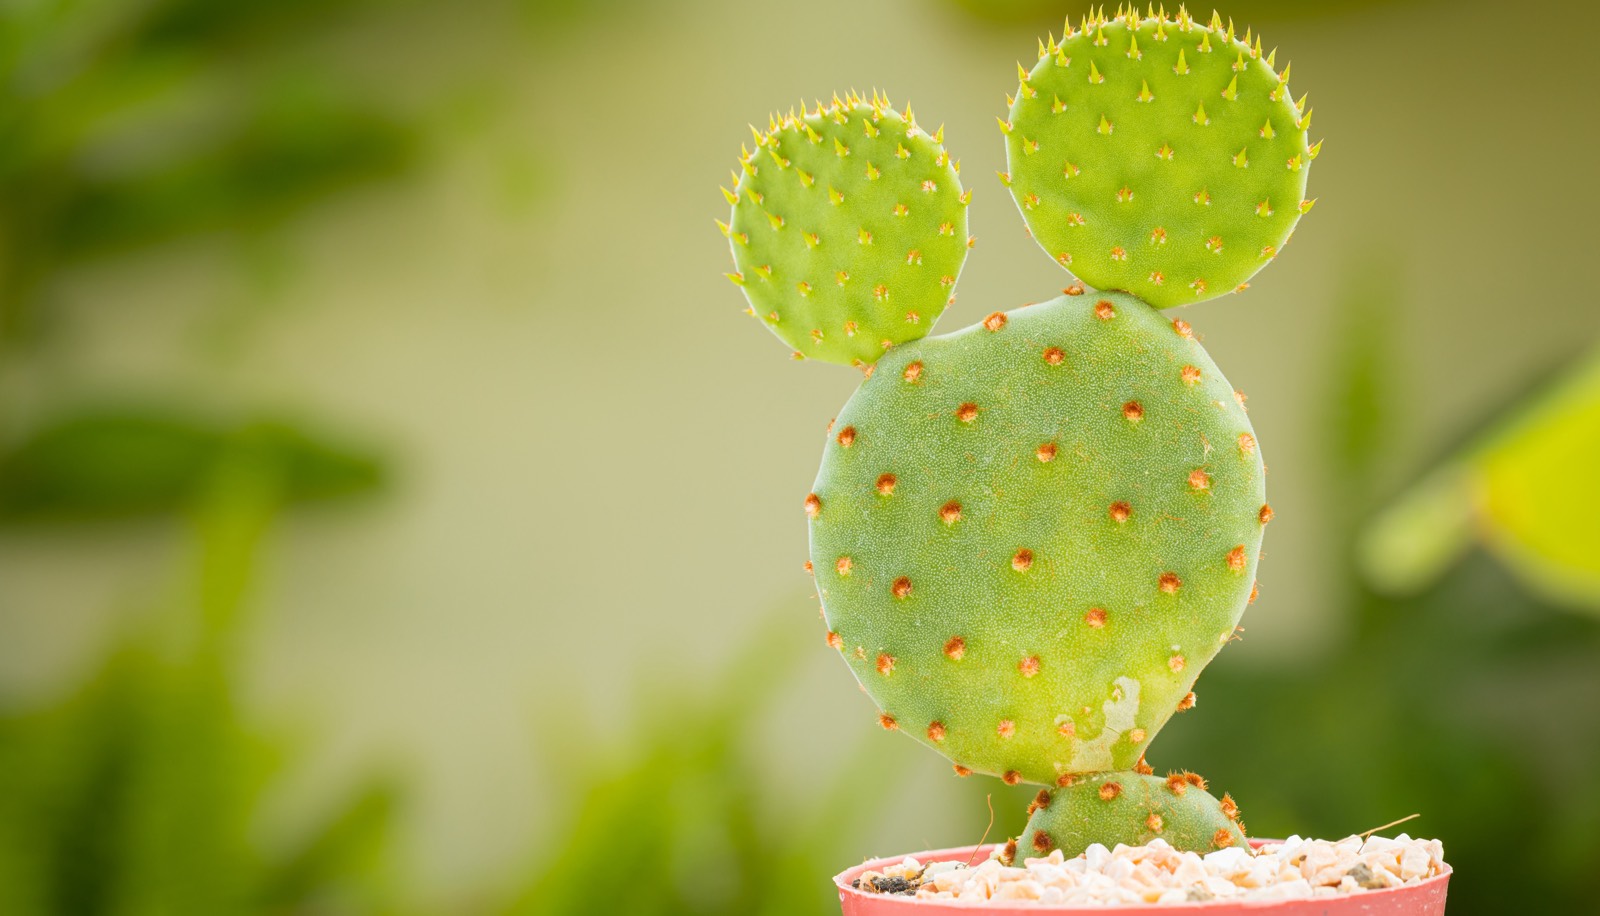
(1031,535)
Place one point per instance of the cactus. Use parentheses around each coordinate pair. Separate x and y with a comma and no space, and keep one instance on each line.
(1031,535)
(849,228)
(1159,156)
(1129,808)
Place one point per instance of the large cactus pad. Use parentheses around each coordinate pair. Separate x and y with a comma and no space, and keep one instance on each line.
(1029,536)
(1159,156)
(849,229)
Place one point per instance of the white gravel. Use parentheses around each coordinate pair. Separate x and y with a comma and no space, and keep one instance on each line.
(1157,873)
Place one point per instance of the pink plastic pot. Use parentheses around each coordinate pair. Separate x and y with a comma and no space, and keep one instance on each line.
(1424,899)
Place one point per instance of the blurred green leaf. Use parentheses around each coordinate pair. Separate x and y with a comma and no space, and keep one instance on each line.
(131,123)
(1362,396)
(688,813)
(114,462)
(1526,490)
(296,144)
(351,846)
(135,793)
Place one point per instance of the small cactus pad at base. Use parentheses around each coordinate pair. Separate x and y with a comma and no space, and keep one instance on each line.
(1133,809)
(1158,155)
(1031,535)
(849,229)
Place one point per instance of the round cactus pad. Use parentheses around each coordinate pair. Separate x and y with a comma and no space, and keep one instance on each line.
(1133,809)
(849,229)
(1159,156)
(1030,535)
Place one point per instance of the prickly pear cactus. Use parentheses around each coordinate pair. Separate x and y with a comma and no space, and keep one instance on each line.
(1159,155)
(849,229)
(1030,535)
(1130,808)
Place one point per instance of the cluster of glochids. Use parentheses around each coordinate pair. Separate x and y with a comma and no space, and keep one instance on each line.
(1031,535)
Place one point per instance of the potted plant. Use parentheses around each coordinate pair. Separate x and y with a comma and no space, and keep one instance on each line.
(1031,535)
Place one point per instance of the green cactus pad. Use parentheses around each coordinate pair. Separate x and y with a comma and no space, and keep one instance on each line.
(1133,809)
(1030,535)
(1158,156)
(849,229)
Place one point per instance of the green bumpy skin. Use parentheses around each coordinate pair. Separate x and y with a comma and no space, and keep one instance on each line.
(849,229)
(1158,156)
(1132,809)
(1031,535)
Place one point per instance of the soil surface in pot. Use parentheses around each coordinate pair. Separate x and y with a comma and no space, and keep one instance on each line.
(1292,869)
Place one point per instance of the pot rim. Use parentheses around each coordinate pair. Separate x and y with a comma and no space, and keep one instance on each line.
(979,853)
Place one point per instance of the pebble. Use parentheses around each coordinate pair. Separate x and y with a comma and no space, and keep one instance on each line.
(1156,873)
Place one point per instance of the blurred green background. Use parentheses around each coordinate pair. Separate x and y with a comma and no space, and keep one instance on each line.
(395,507)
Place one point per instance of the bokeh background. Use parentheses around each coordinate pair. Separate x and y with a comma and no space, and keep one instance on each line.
(397,514)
